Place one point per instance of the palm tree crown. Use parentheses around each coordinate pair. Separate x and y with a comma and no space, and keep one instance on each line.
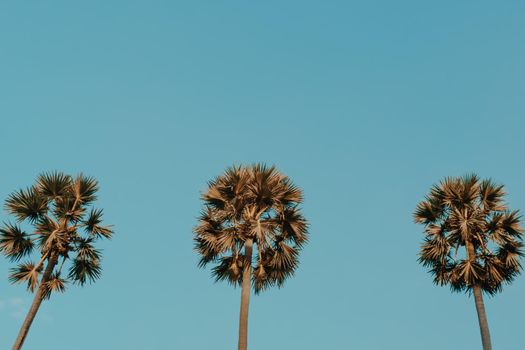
(472,238)
(255,203)
(64,228)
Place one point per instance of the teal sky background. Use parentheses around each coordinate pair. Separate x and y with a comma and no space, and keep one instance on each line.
(364,104)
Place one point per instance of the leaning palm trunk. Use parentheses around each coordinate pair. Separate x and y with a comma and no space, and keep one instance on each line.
(39,296)
(245,296)
(482,318)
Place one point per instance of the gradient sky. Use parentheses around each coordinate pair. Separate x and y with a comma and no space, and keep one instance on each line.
(364,104)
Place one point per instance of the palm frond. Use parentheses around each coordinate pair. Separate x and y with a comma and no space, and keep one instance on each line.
(511,223)
(442,272)
(26,272)
(510,253)
(261,279)
(293,225)
(230,269)
(45,226)
(68,208)
(426,213)
(26,204)
(93,225)
(54,184)
(494,271)
(85,189)
(206,246)
(86,251)
(227,192)
(469,189)
(491,195)
(14,243)
(470,271)
(280,263)
(84,270)
(434,250)
(289,194)
(457,283)
(53,285)
(263,184)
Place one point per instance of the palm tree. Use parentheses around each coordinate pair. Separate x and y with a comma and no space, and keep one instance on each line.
(247,207)
(473,241)
(64,227)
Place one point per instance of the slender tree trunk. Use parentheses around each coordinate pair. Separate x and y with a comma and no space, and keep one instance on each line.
(480,306)
(245,295)
(482,318)
(36,304)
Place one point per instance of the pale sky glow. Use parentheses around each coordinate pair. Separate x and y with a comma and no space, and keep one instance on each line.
(364,104)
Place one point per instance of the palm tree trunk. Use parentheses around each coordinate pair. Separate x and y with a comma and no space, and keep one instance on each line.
(480,306)
(245,295)
(36,304)
(482,318)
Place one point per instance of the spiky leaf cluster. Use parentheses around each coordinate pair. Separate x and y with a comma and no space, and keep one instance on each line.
(472,237)
(63,229)
(257,203)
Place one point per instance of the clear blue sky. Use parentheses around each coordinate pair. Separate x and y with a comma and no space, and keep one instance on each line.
(364,104)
